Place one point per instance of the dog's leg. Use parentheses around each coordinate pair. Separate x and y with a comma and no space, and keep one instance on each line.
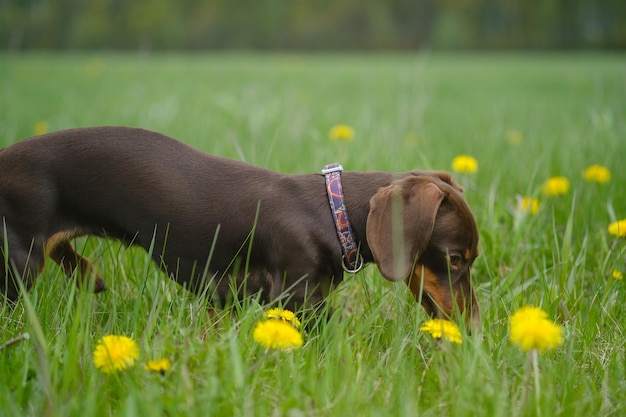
(62,252)
(18,262)
(302,294)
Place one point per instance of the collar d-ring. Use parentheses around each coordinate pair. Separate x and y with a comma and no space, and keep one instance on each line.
(358,265)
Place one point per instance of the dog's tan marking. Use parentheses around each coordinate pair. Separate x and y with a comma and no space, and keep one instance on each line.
(439,301)
(59,249)
(58,239)
(426,289)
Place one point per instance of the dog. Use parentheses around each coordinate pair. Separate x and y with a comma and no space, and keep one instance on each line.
(208,220)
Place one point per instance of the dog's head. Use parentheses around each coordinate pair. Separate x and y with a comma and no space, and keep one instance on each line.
(421,230)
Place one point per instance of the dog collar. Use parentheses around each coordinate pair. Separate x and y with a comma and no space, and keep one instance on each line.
(351,261)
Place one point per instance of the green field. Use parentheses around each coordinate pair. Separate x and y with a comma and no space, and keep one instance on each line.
(525,118)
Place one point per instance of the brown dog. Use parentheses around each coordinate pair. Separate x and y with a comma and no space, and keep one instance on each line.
(209,219)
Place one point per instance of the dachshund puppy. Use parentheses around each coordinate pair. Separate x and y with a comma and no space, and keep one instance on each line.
(209,220)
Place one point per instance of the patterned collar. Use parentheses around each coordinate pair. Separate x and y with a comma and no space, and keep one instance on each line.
(351,261)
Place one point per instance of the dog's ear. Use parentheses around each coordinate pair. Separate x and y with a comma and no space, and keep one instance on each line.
(442,175)
(400,223)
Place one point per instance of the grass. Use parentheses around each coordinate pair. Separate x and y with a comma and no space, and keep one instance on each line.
(369,359)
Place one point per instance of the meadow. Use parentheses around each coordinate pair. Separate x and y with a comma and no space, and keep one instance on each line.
(525,118)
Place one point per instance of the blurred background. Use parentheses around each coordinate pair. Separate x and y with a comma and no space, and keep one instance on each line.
(313,25)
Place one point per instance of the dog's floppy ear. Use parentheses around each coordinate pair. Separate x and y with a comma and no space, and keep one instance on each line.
(400,223)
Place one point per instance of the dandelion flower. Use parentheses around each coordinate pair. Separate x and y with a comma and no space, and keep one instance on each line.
(158,365)
(412,139)
(277,334)
(40,128)
(555,186)
(514,137)
(341,133)
(527,205)
(597,173)
(285,315)
(439,328)
(618,228)
(94,67)
(531,329)
(115,353)
(528,313)
(616,274)
(465,164)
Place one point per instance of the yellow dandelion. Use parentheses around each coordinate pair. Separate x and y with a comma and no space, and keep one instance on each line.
(41,127)
(514,137)
(439,328)
(555,186)
(465,164)
(161,365)
(94,67)
(412,139)
(528,313)
(597,173)
(617,274)
(277,334)
(618,228)
(115,353)
(341,133)
(531,329)
(527,205)
(285,315)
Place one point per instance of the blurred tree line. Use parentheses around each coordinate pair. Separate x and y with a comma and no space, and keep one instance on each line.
(319,24)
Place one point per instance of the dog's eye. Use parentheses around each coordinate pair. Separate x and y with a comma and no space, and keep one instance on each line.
(455,260)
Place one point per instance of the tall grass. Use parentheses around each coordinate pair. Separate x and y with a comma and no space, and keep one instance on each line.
(369,357)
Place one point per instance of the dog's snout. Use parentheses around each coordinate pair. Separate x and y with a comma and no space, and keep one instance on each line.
(452,300)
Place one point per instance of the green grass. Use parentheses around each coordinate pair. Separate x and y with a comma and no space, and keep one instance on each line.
(370,359)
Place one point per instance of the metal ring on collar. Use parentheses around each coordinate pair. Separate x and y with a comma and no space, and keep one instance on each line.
(357,267)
